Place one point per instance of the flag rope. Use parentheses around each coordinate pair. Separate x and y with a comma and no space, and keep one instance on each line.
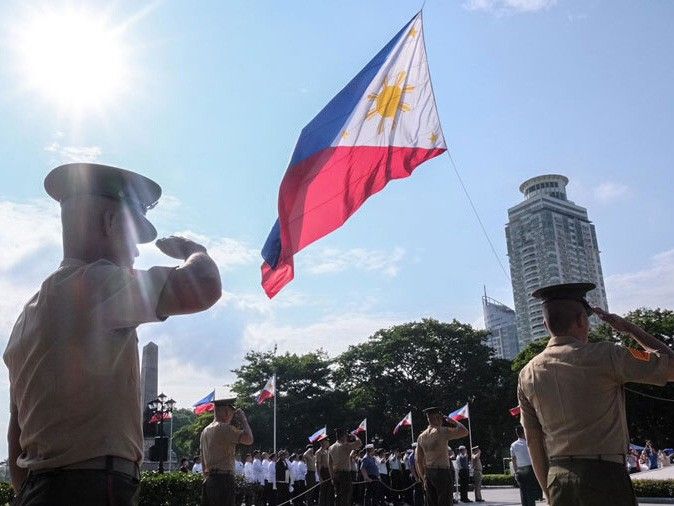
(477,215)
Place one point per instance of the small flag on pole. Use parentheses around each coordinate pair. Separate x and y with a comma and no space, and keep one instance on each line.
(205,405)
(268,391)
(460,414)
(380,127)
(361,428)
(318,435)
(515,411)
(160,416)
(405,422)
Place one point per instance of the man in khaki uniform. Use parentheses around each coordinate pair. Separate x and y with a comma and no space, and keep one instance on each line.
(326,492)
(432,456)
(310,460)
(572,400)
(73,352)
(340,465)
(218,448)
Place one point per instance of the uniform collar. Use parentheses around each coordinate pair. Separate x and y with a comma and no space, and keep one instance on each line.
(562,340)
(72,262)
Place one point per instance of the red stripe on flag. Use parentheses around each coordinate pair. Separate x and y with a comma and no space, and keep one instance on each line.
(320,193)
(204,408)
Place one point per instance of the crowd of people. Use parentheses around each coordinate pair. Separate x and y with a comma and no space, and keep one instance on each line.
(378,476)
(647,458)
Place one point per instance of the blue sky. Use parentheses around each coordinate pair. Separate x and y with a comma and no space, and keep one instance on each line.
(213,98)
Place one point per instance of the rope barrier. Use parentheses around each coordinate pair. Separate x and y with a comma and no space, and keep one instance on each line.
(649,396)
(352,483)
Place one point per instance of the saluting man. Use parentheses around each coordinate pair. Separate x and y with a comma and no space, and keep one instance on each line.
(218,450)
(572,400)
(74,347)
(432,456)
(326,490)
(340,465)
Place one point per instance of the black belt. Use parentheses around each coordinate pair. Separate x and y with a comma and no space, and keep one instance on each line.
(108,463)
(615,458)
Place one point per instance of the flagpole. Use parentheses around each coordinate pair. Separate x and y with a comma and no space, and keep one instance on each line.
(170,445)
(365,432)
(470,434)
(412,428)
(275,395)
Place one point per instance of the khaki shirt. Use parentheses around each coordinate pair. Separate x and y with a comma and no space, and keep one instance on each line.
(572,394)
(218,445)
(322,461)
(310,460)
(73,363)
(340,454)
(434,442)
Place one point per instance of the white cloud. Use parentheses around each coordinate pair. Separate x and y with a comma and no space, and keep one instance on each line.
(649,287)
(508,6)
(332,260)
(74,153)
(610,191)
(333,333)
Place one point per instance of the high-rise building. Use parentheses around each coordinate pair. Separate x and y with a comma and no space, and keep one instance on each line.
(550,240)
(500,322)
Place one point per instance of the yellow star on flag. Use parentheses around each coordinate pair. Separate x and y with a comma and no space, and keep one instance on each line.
(413,32)
(433,138)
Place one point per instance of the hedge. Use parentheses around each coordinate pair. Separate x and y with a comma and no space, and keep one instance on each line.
(184,489)
(498,479)
(168,489)
(653,488)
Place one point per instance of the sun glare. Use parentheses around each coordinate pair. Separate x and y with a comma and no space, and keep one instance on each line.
(73,58)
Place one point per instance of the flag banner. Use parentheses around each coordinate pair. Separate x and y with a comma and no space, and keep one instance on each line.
(205,405)
(460,414)
(361,428)
(405,422)
(268,391)
(380,127)
(316,436)
(515,411)
(159,416)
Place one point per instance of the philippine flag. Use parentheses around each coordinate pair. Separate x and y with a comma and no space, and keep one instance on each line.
(380,127)
(515,411)
(157,417)
(405,422)
(361,428)
(205,405)
(316,436)
(268,391)
(460,414)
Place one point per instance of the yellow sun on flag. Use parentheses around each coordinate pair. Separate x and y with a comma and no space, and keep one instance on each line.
(389,101)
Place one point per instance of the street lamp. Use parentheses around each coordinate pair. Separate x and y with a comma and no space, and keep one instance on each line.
(161,409)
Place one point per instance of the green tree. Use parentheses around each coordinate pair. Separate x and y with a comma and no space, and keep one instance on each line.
(420,364)
(305,400)
(186,438)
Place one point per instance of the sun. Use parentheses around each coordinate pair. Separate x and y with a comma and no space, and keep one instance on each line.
(73,58)
(389,101)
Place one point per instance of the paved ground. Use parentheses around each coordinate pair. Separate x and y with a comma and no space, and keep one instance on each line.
(511,497)
(665,473)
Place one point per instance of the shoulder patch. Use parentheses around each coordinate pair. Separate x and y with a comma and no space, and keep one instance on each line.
(644,356)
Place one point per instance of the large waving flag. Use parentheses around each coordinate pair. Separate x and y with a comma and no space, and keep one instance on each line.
(380,127)
(405,422)
(361,428)
(460,414)
(318,435)
(205,405)
(268,391)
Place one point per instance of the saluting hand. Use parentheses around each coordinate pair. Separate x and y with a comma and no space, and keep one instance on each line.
(179,247)
(618,323)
